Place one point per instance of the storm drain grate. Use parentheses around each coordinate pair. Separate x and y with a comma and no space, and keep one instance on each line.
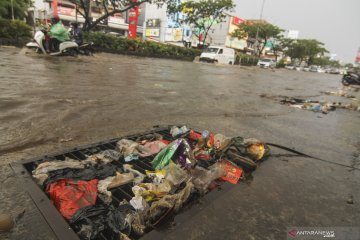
(56,222)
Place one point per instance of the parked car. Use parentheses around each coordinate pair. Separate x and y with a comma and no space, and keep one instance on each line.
(298,68)
(290,67)
(306,69)
(334,71)
(266,63)
(215,54)
(313,69)
(320,70)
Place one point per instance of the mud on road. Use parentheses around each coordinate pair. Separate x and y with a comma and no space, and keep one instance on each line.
(51,104)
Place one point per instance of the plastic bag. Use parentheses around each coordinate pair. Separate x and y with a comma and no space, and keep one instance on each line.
(151,191)
(90,221)
(139,203)
(202,178)
(175,174)
(175,131)
(69,196)
(104,157)
(49,166)
(139,177)
(59,32)
(156,176)
(159,209)
(179,150)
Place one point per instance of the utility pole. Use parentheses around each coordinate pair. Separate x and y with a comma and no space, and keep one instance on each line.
(12,10)
(257,30)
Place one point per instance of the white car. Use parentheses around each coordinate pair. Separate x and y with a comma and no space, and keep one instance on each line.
(266,63)
(215,54)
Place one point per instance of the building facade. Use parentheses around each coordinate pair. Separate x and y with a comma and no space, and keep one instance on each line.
(220,33)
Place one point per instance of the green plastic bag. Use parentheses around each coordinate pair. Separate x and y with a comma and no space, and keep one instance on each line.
(163,158)
(59,32)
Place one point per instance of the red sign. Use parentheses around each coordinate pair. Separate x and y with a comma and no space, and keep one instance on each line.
(55,8)
(133,20)
(66,11)
(237,21)
(357,60)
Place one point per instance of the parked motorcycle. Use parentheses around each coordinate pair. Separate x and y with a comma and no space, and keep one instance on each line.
(351,78)
(65,48)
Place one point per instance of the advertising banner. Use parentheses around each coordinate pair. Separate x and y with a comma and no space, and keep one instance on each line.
(133,19)
(152,32)
(67,11)
(117,19)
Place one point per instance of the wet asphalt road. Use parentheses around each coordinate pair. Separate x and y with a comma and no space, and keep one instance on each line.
(50,104)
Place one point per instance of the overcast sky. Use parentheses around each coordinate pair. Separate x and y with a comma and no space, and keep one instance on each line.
(333,22)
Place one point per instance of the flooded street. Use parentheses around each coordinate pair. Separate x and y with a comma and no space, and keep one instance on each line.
(51,104)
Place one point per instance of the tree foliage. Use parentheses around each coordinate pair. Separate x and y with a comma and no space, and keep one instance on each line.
(306,49)
(261,31)
(110,8)
(325,61)
(201,15)
(15,30)
(19,6)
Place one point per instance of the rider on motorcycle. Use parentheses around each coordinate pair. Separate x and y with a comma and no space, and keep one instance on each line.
(76,33)
(58,34)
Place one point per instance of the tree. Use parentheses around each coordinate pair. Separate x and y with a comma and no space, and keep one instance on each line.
(280,44)
(20,7)
(110,8)
(349,65)
(262,32)
(306,49)
(202,15)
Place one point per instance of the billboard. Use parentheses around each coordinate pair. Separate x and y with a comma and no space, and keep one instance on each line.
(293,34)
(235,43)
(152,32)
(153,23)
(67,11)
(116,19)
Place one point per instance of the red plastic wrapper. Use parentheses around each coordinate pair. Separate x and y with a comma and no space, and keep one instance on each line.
(194,135)
(233,173)
(69,196)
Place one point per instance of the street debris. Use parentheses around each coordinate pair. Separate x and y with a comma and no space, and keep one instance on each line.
(6,222)
(318,106)
(185,166)
(350,200)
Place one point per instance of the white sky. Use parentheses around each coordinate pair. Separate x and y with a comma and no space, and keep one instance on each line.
(333,22)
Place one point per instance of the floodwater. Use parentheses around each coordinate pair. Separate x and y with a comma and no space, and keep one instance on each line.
(50,104)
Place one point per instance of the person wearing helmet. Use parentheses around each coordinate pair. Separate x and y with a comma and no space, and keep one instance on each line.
(76,33)
(58,34)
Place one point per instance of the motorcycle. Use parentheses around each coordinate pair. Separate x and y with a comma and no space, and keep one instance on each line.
(65,48)
(351,78)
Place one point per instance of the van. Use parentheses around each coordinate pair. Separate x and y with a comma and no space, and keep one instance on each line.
(216,54)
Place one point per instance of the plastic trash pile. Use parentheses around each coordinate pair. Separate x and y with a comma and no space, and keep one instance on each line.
(318,106)
(184,168)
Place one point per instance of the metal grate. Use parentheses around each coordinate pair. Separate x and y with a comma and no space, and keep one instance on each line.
(55,221)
